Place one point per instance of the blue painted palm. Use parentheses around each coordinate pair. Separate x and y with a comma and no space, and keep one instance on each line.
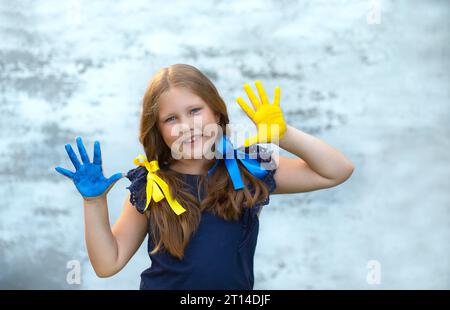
(88,177)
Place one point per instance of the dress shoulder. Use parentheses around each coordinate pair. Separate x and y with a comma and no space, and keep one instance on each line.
(264,156)
(137,188)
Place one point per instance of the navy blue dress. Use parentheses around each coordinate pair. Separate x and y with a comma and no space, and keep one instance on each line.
(219,255)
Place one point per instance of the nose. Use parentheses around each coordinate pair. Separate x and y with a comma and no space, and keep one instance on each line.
(194,125)
(186,130)
(188,126)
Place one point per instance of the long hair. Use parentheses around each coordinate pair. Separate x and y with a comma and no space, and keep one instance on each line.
(169,231)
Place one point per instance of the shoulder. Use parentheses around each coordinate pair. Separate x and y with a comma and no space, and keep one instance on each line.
(137,173)
(264,156)
(261,153)
(138,179)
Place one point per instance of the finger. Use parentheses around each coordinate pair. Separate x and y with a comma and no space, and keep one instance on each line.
(76,163)
(116,177)
(65,172)
(251,95)
(82,150)
(251,141)
(276,97)
(249,111)
(261,92)
(112,180)
(97,153)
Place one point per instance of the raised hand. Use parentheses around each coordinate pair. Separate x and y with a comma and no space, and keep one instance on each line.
(267,117)
(88,177)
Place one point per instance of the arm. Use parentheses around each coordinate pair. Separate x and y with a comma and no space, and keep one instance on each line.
(320,165)
(110,249)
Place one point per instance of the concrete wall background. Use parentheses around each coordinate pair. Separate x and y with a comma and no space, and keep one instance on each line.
(378,92)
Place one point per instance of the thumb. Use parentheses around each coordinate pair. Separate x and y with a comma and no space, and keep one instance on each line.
(116,177)
(112,180)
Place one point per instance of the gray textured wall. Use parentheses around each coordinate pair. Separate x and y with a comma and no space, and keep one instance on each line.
(378,92)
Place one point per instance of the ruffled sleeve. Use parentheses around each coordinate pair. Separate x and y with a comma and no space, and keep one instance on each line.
(138,178)
(264,157)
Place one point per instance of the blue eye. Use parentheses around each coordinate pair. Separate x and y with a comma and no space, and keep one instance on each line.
(196,109)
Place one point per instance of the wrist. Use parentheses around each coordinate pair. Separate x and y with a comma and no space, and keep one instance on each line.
(94,201)
(283,141)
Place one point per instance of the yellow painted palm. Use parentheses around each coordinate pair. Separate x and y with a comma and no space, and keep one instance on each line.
(267,117)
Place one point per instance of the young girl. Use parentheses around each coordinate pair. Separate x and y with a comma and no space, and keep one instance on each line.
(200,211)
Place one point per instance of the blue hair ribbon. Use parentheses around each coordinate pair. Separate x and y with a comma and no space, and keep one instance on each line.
(225,150)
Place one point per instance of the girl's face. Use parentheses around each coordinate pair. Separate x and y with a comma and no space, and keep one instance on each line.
(185,122)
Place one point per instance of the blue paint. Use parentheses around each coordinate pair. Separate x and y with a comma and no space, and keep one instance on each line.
(88,177)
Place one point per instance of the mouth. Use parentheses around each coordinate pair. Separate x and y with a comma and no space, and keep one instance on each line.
(192,139)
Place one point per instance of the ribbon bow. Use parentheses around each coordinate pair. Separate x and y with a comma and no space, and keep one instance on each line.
(157,188)
(231,155)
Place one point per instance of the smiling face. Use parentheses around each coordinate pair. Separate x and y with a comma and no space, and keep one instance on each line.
(185,122)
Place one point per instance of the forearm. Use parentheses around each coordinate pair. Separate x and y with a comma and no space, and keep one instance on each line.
(100,242)
(321,157)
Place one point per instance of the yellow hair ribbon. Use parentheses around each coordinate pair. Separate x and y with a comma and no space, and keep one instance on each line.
(157,188)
